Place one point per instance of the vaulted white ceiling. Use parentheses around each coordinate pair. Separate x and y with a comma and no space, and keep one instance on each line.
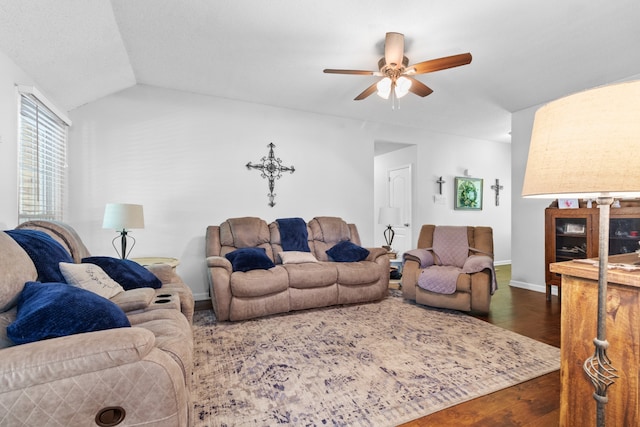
(273,52)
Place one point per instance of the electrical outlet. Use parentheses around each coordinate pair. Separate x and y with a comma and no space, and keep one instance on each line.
(439,199)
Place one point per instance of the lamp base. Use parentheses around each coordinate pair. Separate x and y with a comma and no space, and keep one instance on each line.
(389,234)
(598,367)
(123,254)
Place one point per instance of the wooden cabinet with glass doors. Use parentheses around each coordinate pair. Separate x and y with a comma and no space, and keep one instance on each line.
(573,233)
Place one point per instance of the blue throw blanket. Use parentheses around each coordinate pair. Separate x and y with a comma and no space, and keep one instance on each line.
(293,234)
(44,251)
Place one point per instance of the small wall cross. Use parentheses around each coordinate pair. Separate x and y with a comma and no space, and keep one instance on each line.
(440,181)
(271,168)
(497,187)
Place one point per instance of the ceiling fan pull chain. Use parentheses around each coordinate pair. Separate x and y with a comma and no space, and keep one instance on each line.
(395,101)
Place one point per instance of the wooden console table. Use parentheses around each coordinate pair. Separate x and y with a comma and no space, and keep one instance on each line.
(578,329)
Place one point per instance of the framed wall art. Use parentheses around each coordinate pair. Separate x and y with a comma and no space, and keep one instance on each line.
(568,203)
(468,193)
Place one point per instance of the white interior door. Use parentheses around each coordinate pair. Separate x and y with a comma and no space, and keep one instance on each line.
(400,192)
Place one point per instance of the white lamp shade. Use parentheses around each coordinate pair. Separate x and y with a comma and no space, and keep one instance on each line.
(403,85)
(384,88)
(389,216)
(587,145)
(123,216)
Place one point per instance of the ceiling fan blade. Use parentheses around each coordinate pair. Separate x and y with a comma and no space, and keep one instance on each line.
(368,91)
(439,64)
(356,72)
(419,88)
(394,48)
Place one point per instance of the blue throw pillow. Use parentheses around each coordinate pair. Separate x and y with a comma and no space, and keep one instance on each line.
(45,253)
(293,234)
(246,259)
(50,310)
(347,251)
(129,274)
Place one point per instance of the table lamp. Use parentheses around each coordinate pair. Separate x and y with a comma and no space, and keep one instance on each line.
(389,216)
(587,145)
(122,217)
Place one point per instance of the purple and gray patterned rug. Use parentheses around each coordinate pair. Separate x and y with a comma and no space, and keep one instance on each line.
(377,364)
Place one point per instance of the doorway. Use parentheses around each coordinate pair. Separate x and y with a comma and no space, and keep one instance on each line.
(400,192)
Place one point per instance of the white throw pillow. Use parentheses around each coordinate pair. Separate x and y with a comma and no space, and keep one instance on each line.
(295,257)
(90,277)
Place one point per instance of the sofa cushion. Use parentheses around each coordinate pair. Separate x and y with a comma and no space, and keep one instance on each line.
(50,310)
(329,229)
(16,269)
(62,233)
(312,275)
(90,277)
(347,251)
(129,274)
(258,283)
(6,318)
(296,257)
(44,251)
(245,232)
(246,259)
(359,273)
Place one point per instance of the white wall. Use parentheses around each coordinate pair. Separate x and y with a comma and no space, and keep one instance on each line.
(183,157)
(436,155)
(527,230)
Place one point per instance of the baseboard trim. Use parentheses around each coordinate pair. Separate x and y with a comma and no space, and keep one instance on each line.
(201,296)
(505,262)
(533,287)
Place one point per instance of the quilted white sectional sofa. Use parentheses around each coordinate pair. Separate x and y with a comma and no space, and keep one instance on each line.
(128,375)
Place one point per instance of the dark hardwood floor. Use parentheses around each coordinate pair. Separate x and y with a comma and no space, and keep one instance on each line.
(532,403)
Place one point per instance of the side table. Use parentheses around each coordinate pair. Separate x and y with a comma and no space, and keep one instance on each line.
(395,270)
(146,261)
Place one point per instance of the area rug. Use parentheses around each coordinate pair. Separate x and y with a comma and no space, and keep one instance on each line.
(377,364)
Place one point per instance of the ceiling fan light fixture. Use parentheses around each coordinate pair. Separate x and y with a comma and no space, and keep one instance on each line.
(402,86)
(397,75)
(384,88)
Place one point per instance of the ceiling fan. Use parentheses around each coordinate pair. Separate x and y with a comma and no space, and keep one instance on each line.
(397,74)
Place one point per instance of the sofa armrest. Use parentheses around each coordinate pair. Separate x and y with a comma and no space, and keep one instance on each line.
(424,257)
(220,270)
(410,272)
(375,253)
(26,365)
(219,261)
(134,299)
(164,272)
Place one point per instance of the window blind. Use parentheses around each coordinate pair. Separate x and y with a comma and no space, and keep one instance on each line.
(41,162)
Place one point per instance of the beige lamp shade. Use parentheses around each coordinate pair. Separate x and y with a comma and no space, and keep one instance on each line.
(389,216)
(587,145)
(123,216)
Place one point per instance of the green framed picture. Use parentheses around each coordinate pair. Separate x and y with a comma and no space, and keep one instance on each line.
(468,193)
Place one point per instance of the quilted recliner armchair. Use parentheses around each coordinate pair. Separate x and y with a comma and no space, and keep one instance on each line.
(452,268)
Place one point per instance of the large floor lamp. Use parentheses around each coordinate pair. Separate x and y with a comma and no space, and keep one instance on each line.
(587,145)
(123,217)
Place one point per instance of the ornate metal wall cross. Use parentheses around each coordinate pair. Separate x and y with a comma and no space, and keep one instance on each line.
(271,168)
(497,187)
(440,181)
